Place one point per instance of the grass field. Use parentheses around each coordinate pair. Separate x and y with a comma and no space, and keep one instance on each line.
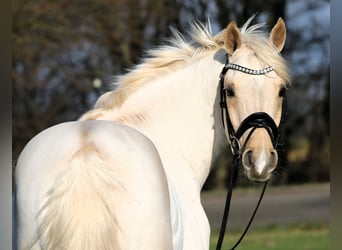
(313,237)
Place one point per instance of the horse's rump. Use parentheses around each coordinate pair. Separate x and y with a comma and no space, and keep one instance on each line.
(101,193)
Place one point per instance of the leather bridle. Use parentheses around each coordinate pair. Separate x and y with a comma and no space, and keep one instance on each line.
(252,122)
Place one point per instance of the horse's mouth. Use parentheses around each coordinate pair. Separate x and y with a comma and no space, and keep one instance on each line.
(254,177)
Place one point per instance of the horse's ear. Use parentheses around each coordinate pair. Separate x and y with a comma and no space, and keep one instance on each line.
(232,38)
(278,34)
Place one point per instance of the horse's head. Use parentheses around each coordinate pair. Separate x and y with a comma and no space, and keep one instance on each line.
(257,96)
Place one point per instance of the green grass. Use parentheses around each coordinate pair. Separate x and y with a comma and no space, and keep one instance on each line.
(279,238)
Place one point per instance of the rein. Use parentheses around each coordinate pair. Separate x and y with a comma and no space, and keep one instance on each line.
(253,121)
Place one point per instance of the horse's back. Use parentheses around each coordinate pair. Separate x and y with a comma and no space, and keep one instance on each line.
(92,185)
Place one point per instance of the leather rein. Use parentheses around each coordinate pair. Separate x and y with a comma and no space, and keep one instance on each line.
(252,122)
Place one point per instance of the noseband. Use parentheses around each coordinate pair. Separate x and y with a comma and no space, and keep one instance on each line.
(253,121)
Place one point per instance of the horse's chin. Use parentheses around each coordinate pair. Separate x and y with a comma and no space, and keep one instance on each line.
(257,179)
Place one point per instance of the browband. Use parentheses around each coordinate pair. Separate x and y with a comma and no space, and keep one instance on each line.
(247,70)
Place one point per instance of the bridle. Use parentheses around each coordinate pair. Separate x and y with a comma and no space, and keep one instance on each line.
(252,122)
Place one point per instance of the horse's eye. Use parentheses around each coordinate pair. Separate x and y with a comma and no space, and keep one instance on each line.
(230,91)
(282,92)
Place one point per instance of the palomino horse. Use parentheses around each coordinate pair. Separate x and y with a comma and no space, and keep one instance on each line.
(128,174)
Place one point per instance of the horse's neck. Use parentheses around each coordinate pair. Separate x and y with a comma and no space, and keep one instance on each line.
(180,114)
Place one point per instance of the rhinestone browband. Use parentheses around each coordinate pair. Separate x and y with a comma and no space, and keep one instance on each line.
(249,71)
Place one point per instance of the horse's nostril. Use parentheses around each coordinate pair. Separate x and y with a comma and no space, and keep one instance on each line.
(247,160)
(273,161)
(274,156)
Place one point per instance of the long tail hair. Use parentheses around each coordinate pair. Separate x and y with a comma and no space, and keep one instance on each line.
(79,211)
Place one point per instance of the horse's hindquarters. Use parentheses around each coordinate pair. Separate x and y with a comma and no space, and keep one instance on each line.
(92,185)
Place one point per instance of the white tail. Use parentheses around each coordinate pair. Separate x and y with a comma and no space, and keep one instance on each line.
(79,212)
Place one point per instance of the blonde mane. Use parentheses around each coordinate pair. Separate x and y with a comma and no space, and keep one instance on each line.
(180,52)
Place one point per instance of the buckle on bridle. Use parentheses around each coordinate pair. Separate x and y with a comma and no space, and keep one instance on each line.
(235,146)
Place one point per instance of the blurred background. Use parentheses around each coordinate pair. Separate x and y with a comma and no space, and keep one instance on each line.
(65,54)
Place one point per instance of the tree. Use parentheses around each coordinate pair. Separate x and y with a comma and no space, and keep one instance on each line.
(61,47)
